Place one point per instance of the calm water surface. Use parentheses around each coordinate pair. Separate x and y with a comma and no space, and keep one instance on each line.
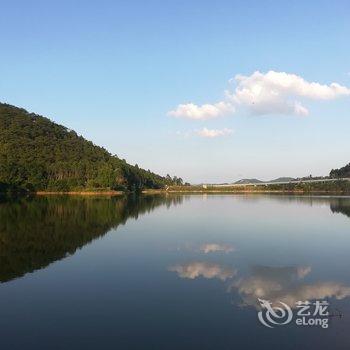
(171,272)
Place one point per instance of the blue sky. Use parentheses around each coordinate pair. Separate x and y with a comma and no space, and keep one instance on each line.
(113,70)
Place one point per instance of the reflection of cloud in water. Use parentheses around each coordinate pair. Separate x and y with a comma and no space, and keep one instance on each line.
(208,270)
(216,247)
(320,290)
(284,284)
(271,283)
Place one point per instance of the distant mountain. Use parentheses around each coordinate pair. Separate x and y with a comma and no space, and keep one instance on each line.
(342,172)
(38,154)
(256,181)
(248,181)
(282,179)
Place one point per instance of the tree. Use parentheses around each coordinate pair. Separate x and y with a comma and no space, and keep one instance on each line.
(38,154)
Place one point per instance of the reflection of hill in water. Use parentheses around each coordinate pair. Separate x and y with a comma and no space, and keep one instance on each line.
(38,231)
(336,204)
(342,205)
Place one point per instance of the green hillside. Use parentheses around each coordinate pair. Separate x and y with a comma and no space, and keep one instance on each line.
(341,173)
(37,154)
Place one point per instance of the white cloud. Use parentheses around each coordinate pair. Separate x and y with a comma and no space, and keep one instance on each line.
(265,93)
(205,132)
(211,133)
(203,112)
(205,269)
(277,92)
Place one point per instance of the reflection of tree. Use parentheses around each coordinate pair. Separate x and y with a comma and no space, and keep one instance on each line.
(336,204)
(341,205)
(36,232)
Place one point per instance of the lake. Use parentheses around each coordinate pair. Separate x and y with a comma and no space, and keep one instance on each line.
(174,272)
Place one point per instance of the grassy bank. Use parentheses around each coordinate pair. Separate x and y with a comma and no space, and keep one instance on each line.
(81,193)
(336,187)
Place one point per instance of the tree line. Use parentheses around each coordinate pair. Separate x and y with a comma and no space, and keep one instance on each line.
(343,172)
(37,154)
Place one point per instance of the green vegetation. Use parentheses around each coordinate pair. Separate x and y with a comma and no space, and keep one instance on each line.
(37,154)
(338,186)
(309,187)
(343,172)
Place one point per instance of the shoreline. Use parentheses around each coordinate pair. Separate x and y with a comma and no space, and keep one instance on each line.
(243,192)
(80,193)
(184,192)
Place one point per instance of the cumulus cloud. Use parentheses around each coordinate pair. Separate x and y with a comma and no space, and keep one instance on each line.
(211,133)
(277,92)
(207,270)
(265,93)
(203,112)
(205,133)
(216,247)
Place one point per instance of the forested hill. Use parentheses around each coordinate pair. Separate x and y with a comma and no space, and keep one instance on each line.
(38,154)
(342,172)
